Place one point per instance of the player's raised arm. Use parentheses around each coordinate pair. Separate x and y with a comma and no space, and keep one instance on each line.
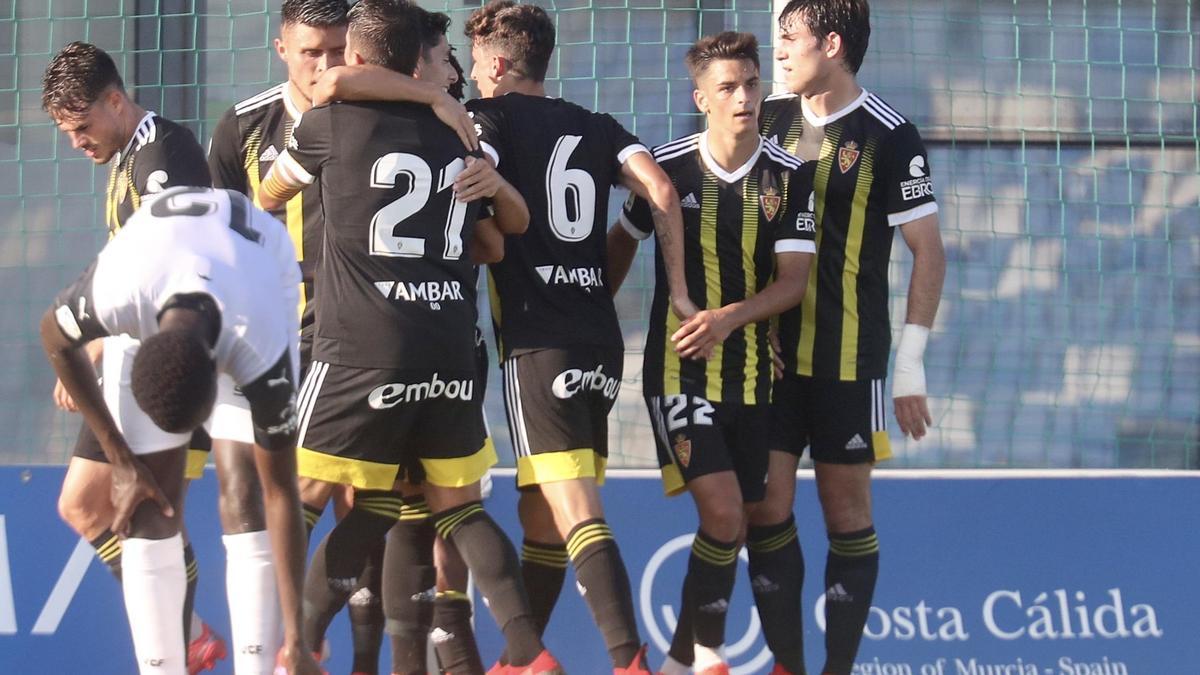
(367,82)
(641,174)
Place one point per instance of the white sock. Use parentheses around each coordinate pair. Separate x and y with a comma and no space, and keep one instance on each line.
(154,582)
(673,667)
(707,657)
(255,621)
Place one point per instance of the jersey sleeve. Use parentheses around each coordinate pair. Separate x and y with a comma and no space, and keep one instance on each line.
(272,399)
(225,155)
(623,143)
(909,186)
(488,122)
(312,139)
(174,159)
(75,310)
(796,231)
(635,217)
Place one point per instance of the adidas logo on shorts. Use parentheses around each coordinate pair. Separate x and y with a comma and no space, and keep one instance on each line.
(856,443)
(689,202)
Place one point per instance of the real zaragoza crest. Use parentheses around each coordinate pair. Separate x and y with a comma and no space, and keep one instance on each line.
(683,450)
(848,156)
(770,199)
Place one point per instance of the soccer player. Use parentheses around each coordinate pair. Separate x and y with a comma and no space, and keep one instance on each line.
(393,375)
(749,244)
(83,93)
(558,336)
(206,283)
(873,177)
(246,142)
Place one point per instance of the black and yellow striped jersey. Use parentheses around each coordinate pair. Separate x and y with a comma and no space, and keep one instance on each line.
(246,142)
(159,155)
(872,174)
(733,225)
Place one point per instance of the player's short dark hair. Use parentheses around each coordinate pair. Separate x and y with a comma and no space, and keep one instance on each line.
(726,46)
(458,89)
(523,34)
(436,25)
(77,77)
(390,33)
(851,19)
(315,13)
(174,380)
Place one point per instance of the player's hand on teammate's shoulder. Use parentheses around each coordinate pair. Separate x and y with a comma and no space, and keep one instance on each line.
(132,484)
(479,180)
(454,114)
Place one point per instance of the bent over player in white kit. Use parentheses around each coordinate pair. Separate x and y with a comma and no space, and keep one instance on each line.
(208,283)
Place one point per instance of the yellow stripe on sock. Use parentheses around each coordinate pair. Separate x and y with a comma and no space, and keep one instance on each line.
(458,596)
(713,554)
(587,535)
(446,526)
(773,543)
(855,548)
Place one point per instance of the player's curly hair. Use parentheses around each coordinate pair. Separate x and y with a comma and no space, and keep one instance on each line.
(851,19)
(315,13)
(174,380)
(523,34)
(391,33)
(729,45)
(76,78)
(458,89)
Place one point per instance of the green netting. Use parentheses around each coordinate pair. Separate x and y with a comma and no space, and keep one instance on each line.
(1064,152)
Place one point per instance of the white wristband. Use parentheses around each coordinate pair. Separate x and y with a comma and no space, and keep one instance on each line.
(909,376)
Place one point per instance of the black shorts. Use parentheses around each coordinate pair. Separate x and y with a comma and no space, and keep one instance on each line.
(695,437)
(364,426)
(557,402)
(87,446)
(842,422)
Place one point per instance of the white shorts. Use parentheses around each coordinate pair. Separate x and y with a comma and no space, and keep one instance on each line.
(230,419)
(140,432)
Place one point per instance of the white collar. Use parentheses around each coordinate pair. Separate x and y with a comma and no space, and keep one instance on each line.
(818,121)
(288,104)
(727,176)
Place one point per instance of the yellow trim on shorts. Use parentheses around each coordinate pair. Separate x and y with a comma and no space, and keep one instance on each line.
(460,471)
(549,467)
(196,459)
(882,445)
(673,483)
(360,473)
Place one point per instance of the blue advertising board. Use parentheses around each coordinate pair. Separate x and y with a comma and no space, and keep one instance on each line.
(982,573)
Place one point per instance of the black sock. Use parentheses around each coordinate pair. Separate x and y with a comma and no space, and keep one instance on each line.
(850,573)
(605,583)
(365,608)
(712,569)
(777,575)
(108,550)
(339,559)
(491,558)
(409,586)
(543,568)
(189,599)
(683,642)
(312,515)
(453,639)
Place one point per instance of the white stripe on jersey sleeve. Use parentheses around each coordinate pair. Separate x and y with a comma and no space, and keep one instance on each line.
(491,152)
(631,229)
(289,172)
(795,246)
(631,150)
(912,214)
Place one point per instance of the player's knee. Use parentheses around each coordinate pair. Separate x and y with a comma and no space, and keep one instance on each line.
(846,515)
(775,507)
(75,512)
(722,520)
